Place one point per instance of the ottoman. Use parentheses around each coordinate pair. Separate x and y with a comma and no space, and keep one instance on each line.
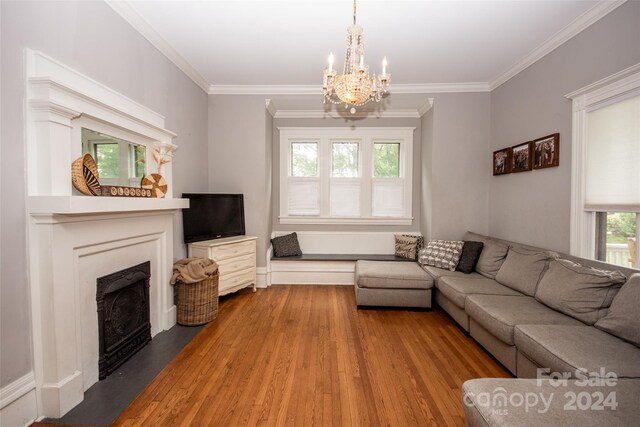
(392,284)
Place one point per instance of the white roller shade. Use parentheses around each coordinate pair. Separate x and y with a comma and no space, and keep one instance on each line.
(345,197)
(388,197)
(304,196)
(613,157)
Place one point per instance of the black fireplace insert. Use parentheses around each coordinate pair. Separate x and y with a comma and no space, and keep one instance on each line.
(123,316)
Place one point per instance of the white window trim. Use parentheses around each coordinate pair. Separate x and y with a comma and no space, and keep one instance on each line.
(324,137)
(609,90)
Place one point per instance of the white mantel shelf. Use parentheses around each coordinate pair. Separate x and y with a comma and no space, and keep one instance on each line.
(79,205)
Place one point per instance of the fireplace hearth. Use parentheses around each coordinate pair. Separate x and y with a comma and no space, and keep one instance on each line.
(124,325)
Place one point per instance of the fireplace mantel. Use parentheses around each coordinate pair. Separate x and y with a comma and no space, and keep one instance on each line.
(76,205)
(75,239)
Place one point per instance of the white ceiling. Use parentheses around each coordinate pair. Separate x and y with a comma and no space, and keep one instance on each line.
(279,48)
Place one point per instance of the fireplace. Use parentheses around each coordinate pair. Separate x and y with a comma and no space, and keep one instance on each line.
(124,325)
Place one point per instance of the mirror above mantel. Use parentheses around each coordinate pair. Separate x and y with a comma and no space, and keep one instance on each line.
(119,162)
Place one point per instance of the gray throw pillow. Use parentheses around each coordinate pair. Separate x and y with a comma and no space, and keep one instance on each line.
(581,292)
(523,269)
(286,245)
(442,254)
(468,259)
(491,258)
(623,318)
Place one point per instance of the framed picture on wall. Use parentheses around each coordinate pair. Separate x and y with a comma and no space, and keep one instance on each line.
(502,161)
(546,151)
(521,157)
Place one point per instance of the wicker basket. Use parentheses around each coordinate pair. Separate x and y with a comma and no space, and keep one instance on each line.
(198,302)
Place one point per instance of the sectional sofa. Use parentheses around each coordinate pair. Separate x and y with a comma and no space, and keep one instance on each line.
(534,310)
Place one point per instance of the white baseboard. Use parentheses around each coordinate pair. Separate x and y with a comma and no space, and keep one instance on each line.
(262,277)
(18,406)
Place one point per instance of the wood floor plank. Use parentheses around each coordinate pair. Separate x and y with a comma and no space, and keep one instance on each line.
(305,355)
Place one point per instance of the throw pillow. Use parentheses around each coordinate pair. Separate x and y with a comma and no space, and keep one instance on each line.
(442,254)
(623,318)
(419,243)
(406,246)
(286,245)
(581,292)
(523,268)
(469,257)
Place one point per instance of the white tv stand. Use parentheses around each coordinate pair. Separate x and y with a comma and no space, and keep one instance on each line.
(236,258)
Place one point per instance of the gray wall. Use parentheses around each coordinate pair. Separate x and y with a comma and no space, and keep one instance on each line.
(341,122)
(534,207)
(91,38)
(459,174)
(240,157)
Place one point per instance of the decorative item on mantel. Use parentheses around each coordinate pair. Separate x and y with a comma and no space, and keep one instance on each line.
(162,153)
(84,175)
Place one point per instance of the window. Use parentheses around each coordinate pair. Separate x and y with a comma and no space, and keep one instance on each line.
(617,237)
(606,181)
(345,183)
(341,175)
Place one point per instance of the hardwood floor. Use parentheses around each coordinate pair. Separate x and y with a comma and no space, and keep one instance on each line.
(304,355)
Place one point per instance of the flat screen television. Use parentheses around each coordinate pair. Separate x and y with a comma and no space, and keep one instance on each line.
(212,216)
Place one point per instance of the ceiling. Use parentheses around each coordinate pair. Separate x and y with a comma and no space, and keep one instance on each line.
(281,46)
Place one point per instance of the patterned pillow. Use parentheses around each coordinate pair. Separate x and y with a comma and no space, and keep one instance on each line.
(419,243)
(286,245)
(406,246)
(442,254)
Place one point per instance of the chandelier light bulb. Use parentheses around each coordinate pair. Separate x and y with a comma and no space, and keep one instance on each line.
(384,65)
(331,59)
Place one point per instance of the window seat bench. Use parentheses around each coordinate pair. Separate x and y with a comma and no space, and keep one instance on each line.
(342,257)
(329,257)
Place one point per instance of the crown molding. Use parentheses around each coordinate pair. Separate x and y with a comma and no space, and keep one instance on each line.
(321,114)
(316,90)
(424,108)
(440,87)
(125,10)
(270,107)
(265,90)
(581,23)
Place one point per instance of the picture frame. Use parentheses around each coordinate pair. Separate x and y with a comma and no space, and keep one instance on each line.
(521,157)
(501,161)
(546,151)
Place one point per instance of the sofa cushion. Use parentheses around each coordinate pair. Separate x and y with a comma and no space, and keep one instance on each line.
(492,255)
(392,275)
(437,273)
(623,317)
(457,288)
(581,292)
(495,402)
(469,258)
(565,348)
(499,314)
(523,268)
(442,254)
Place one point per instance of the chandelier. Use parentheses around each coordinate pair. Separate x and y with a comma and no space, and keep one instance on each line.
(354,87)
